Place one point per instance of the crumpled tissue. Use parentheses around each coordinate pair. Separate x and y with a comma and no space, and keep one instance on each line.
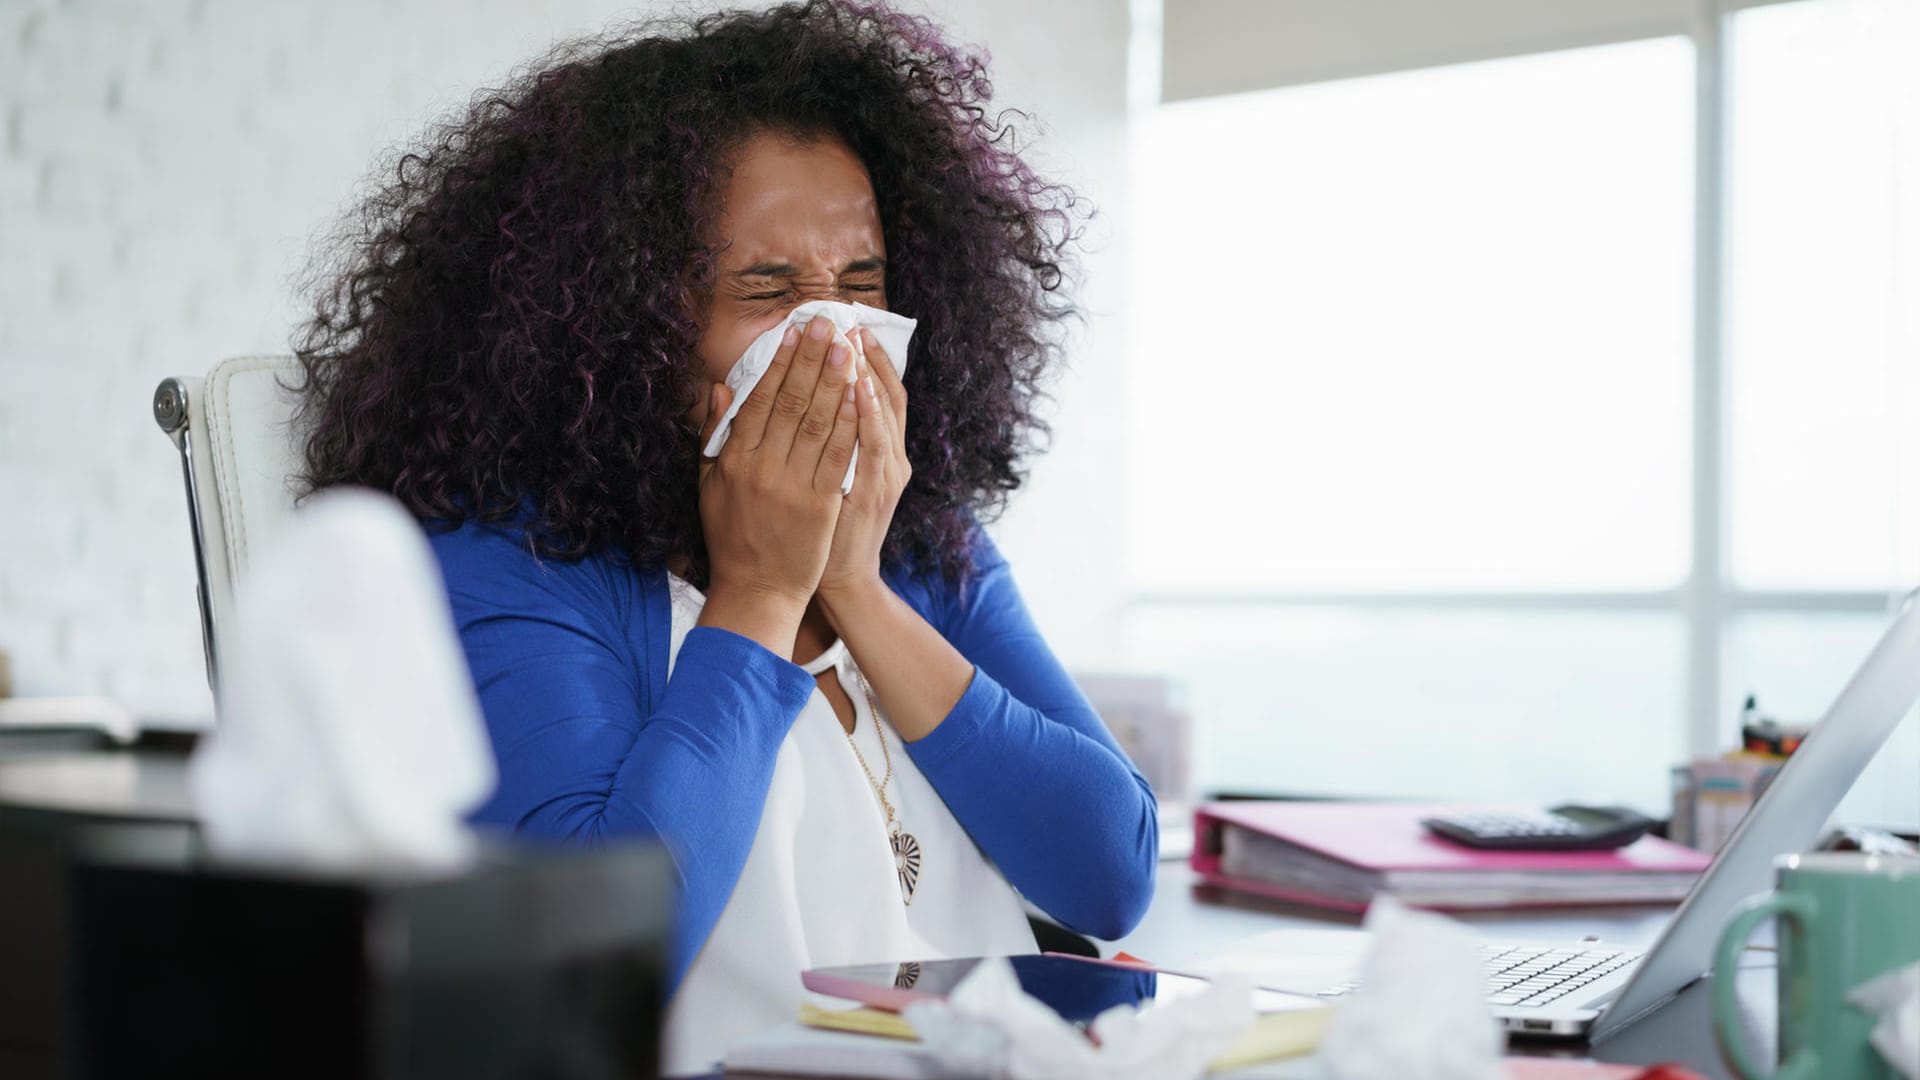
(1421,1012)
(893,332)
(1895,998)
(988,1028)
(349,736)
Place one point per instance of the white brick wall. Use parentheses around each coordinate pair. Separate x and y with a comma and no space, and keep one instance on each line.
(163,164)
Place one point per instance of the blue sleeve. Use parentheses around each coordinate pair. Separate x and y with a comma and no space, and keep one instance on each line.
(581,759)
(1031,772)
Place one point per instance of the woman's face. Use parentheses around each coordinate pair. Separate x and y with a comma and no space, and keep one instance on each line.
(798,222)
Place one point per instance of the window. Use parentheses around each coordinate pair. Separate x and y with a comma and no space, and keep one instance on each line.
(1412,428)
(1406,322)
(1823,357)
(1824,296)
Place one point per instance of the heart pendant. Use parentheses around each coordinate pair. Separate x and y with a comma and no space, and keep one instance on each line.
(906,863)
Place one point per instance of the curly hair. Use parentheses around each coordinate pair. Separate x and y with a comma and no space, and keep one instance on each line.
(506,326)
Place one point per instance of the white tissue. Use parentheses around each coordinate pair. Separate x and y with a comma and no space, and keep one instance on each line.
(990,1028)
(1895,998)
(348,736)
(1421,1012)
(893,332)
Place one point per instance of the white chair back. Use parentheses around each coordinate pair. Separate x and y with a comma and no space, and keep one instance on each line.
(239,454)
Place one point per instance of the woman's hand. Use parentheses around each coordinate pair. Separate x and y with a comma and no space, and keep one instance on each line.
(853,564)
(770,500)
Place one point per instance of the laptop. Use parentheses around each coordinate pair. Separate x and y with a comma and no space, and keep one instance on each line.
(1591,991)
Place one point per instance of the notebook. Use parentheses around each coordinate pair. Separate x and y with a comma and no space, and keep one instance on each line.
(1341,855)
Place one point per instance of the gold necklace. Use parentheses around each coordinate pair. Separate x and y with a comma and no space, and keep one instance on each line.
(906,850)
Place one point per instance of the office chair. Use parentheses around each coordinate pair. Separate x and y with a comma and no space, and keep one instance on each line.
(238,455)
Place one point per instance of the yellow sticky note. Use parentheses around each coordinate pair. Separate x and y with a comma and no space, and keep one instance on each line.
(862,1021)
(1274,1036)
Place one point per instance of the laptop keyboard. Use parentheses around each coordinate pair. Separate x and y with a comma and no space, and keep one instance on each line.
(1528,976)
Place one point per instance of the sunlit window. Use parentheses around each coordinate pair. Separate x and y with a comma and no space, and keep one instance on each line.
(1411,415)
(1823,282)
(1422,331)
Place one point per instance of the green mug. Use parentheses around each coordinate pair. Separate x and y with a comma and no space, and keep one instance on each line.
(1844,918)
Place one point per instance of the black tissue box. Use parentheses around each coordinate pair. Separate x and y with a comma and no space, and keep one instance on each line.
(532,963)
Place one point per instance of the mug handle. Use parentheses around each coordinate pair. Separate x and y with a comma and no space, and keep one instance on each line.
(1726,1001)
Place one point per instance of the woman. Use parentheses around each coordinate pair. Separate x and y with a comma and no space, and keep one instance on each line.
(832,709)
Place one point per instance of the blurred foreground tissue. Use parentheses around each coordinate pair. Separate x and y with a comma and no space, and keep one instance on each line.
(1421,1012)
(349,736)
(991,1029)
(1894,998)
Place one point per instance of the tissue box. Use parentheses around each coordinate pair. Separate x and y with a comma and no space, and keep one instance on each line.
(542,963)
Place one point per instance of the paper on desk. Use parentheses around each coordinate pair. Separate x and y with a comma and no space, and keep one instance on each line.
(348,734)
(1297,959)
(989,1028)
(1271,1037)
(893,332)
(1421,1012)
(1895,998)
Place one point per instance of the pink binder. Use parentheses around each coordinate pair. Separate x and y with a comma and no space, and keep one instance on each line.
(1387,839)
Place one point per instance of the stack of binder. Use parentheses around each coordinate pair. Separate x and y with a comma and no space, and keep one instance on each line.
(1342,855)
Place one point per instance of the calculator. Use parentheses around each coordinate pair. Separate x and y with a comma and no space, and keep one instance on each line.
(1562,828)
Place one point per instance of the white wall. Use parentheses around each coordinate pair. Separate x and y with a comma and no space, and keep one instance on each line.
(163,164)
(1066,62)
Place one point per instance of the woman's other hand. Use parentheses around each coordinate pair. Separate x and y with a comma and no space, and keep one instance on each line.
(853,563)
(770,500)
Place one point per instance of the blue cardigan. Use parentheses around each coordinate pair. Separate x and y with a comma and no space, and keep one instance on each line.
(595,743)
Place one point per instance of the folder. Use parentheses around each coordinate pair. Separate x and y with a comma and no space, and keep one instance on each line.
(1340,855)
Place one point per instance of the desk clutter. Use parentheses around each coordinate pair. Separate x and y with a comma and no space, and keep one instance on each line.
(1712,794)
(1342,855)
(1421,1018)
(108,718)
(39,715)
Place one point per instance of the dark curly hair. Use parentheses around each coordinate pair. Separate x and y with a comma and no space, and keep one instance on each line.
(506,327)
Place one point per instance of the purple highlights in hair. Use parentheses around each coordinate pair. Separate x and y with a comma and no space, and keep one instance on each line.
(506,327)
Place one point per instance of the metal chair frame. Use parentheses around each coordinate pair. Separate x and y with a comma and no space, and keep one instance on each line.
(170,411)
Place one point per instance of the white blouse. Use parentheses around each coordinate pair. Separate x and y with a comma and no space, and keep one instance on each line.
(820,886)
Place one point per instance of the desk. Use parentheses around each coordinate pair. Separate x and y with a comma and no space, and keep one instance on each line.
(1190,922)
(1187,923)
(525,962)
